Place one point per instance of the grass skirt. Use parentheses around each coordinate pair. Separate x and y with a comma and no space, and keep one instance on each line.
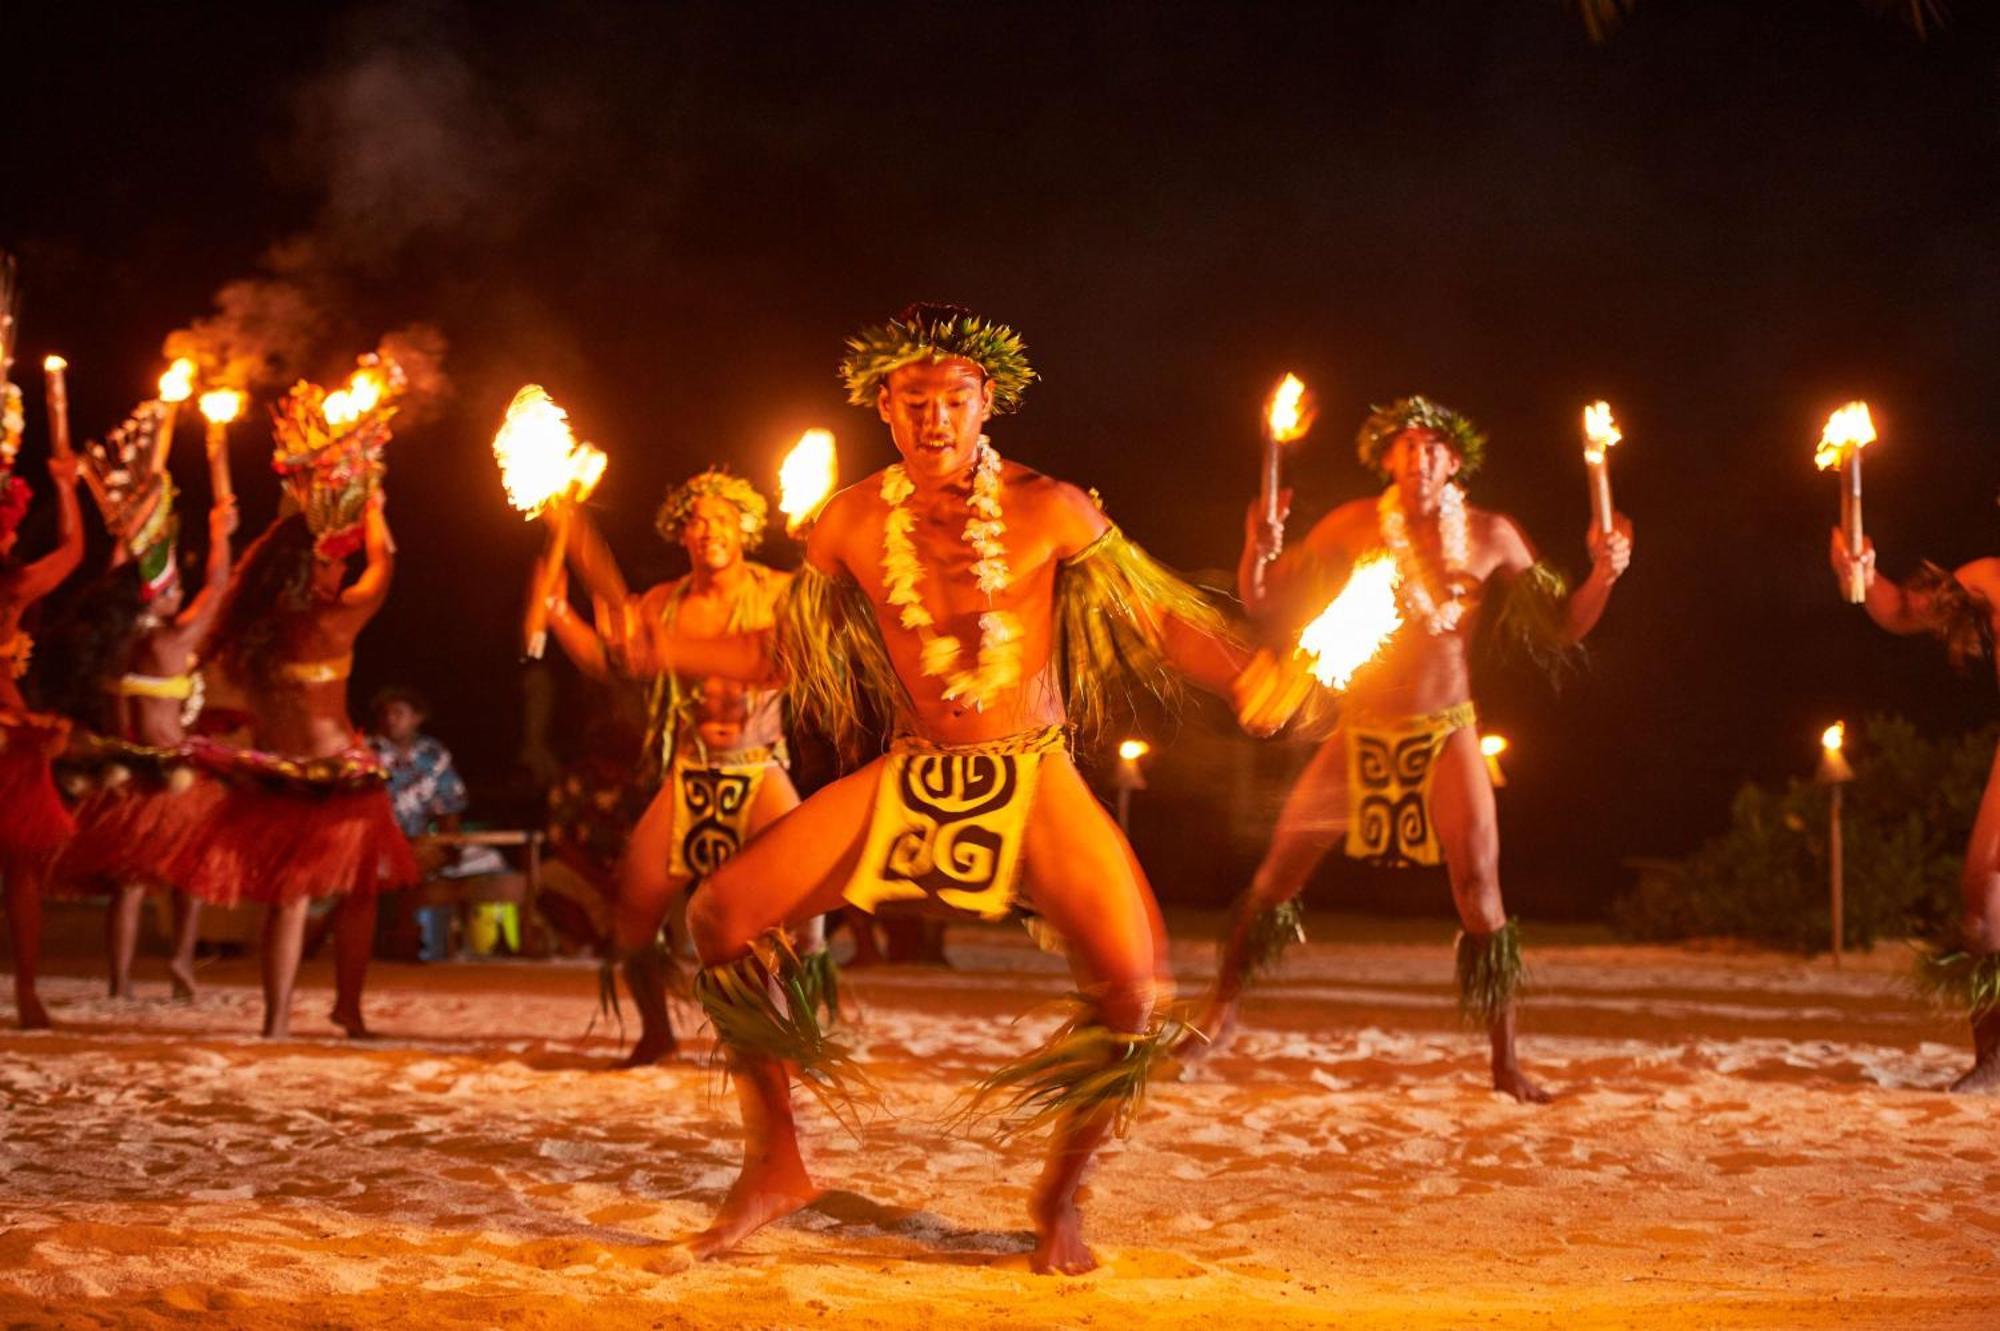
(33,822)
(288,829)
(144,808)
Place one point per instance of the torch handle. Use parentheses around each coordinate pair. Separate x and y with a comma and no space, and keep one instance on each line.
(1273,478)
(548,577)
(221,487)
(1850,525)
(164,444)
(1600,494)
(58,397)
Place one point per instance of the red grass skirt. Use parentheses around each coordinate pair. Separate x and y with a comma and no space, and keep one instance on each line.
(135,831)
(33,822)
(286,830)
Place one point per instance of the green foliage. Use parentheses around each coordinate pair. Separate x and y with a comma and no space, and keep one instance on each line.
(934,334)
(1906,818)
(1271,933)
(766,1004)
(1083,1069)
(1384,424)
(1960,981)
(1490,974)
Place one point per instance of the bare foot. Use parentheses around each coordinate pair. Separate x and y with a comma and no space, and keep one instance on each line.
(651,1049)
(762,1193)
(1512,1081)
(183,981)
(1060,1249)
(351,1021)
(33,1016)
(278,1028)
(1984,1079)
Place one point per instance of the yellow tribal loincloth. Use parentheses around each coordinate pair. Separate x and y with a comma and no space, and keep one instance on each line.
(1390,765)
(712,802)
(949,821)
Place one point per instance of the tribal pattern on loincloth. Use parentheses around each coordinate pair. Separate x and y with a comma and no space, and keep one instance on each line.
(949,821)
(712,803)
(1391,763)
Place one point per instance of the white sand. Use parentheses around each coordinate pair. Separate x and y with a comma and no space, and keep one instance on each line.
(1740,1140)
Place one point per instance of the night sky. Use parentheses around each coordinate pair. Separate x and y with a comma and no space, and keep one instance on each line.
(1727,219)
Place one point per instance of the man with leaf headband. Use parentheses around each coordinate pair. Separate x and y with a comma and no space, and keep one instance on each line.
(1401,778)
(974,608)
(715,746)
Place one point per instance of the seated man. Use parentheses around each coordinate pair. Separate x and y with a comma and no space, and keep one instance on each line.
(428,797)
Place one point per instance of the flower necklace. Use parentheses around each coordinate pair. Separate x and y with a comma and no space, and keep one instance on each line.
(997,665)
(1417,595)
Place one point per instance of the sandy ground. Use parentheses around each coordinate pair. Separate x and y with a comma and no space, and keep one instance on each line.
(1741,1140)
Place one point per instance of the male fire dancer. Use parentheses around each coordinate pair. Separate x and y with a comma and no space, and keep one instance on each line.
(1401,777)
(716,746)
(1962,608)
(975,607)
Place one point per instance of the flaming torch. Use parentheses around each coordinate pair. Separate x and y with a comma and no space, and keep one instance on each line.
(546,472)
(55,373)
(1834,773)
(220,406)
(176,386)
(1600,432)
(1355,623)
(1847,432)
(1490,748)
(806,479)
(1287,416)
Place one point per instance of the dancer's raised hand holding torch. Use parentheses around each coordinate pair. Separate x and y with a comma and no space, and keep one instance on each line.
(546,472)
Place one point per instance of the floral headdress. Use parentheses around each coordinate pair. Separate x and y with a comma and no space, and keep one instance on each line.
(329,451)
(752,512)
(1379,431)
(934,333)
(137,501)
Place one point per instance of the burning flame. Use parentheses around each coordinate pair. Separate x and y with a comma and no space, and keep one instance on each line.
(1599,431)
(1132,750)
(222,405)
(366,388)
(1834,737)
(178,382)
(1355,623)
(541,461)
(806,478)
(52,364)
(1291,412)
(1846,430)
(1493,745)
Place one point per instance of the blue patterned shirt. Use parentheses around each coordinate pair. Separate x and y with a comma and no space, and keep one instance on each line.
(423,785)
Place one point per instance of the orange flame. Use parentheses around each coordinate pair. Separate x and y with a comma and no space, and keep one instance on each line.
(1834,738)
(1291,409)
(1132,750)
(1355,624)
(541,461)
(806,478)
(178,382)
(1847,430)
(1600,432)
(364,392)
(54,364)
(222,405)
(1493,745)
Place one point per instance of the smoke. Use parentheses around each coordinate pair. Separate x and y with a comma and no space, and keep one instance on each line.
(418,351)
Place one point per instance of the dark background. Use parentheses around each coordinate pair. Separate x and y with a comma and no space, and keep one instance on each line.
(1727,219)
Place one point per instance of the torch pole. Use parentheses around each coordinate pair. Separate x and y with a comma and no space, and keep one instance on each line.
(548,577)
(56,378)
(1850,524)
(1600,491)
(1835,870)
(1273,477)
(221,488)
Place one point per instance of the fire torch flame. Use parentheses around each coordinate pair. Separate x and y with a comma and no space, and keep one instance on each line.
(52,363)
(1492,746)
(1291,410)
(1132,750)
(1355,623)
(364,392)
(1834,738)
(1846,430)
(222,405)
(806,478)
(178,382)
(541,461)
(1599,431)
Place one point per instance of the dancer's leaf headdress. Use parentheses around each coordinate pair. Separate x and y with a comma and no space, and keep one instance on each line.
(137,501)
(1420,413)
(329,451)
(752,511)
(937,332)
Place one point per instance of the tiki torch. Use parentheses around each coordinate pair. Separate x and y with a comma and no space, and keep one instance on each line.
(1288,414)
(806,479)
(1847,432)
(1600,432)
(1490,748)
(1834,773)
(176,385)
(1348,634)
(1129,778)
(55,372)
(220,406)
(546,472)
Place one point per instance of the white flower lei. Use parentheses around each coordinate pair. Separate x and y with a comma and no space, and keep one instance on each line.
(1419,600)
(997,666)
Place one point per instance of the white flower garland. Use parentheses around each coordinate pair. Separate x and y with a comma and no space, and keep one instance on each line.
(997,666)
(1418,598)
